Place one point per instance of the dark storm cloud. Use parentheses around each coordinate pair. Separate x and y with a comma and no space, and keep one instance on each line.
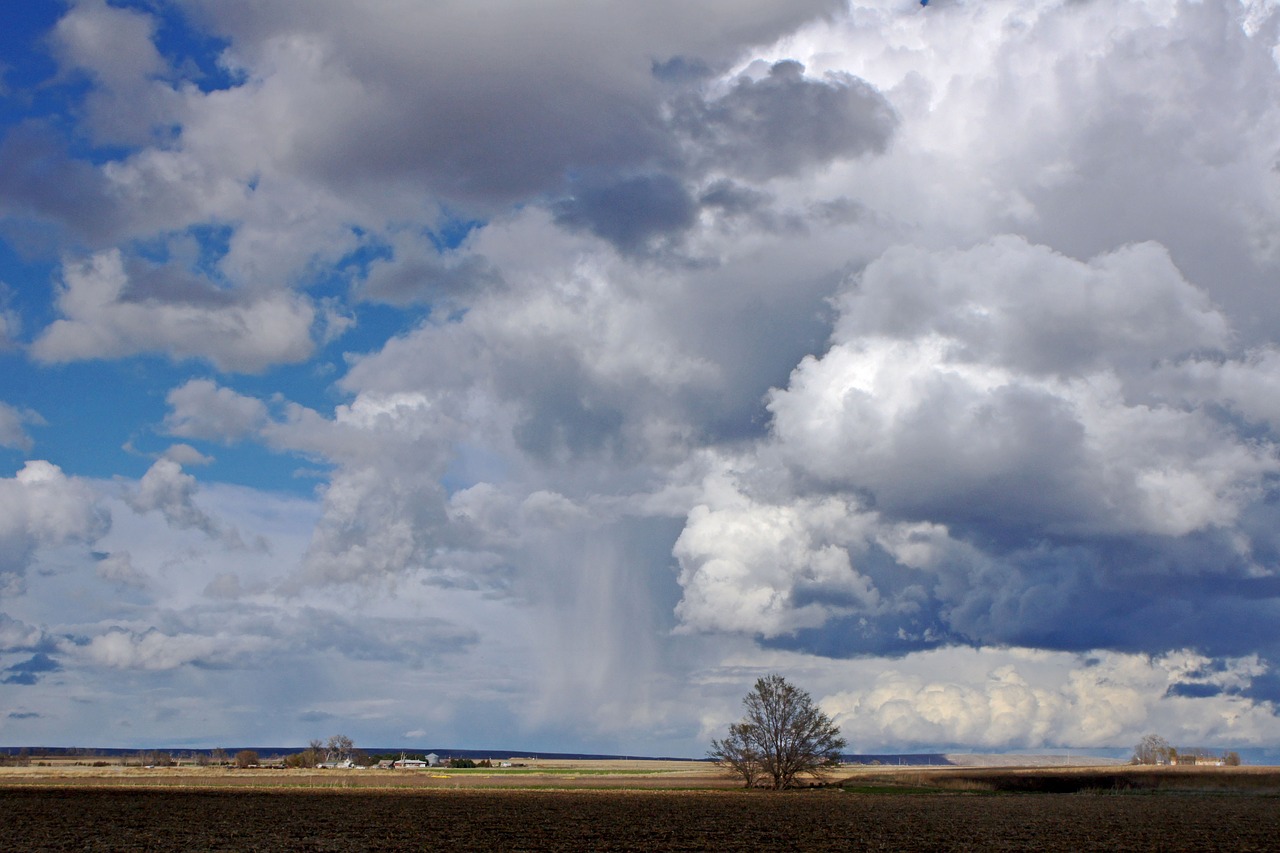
(1264,687)
(733,199)
(564,411)
(493,107)
(784,122)
(1129,595)
(779,125)
(631,213)
(858,636)
(681,70)
(500,148)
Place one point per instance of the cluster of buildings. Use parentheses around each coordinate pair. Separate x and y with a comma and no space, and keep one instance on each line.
(402,763)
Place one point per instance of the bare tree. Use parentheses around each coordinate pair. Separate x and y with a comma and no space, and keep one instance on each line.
(1153,749)
(246,758)
(735,753)
(339,748)
(318,751)
(782,736)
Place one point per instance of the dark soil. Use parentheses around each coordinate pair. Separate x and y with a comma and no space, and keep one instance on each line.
(37,819)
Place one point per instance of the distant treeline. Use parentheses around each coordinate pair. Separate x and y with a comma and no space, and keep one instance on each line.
(911,759)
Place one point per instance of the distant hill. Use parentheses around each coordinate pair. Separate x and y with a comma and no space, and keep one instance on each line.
(1051,760)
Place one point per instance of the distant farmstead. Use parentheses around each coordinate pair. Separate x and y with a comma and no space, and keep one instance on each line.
(429,760)
(1199,761)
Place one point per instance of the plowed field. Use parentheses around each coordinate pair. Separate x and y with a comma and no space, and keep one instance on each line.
(39,819)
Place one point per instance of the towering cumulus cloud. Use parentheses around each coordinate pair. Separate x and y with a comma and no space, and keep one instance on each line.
(1002,409)
(543,373)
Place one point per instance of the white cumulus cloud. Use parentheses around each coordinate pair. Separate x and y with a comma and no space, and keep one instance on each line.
(41,506)
(100,320)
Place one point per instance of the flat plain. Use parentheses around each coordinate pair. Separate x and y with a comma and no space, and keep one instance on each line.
(623,808)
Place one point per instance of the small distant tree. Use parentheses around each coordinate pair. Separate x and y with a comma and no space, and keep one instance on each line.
(1231,759)
(782,736)
(317,751)
(1153,749)
(246,758)
(339,748)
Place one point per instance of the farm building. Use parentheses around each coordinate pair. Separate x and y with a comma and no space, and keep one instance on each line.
(430,760)
(344,764)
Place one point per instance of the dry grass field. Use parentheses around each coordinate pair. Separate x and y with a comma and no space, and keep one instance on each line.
(536,774)
(640,774)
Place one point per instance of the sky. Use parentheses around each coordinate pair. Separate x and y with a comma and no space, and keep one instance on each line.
(539,375)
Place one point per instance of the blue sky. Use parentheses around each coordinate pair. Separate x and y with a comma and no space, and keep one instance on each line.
(543,377)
